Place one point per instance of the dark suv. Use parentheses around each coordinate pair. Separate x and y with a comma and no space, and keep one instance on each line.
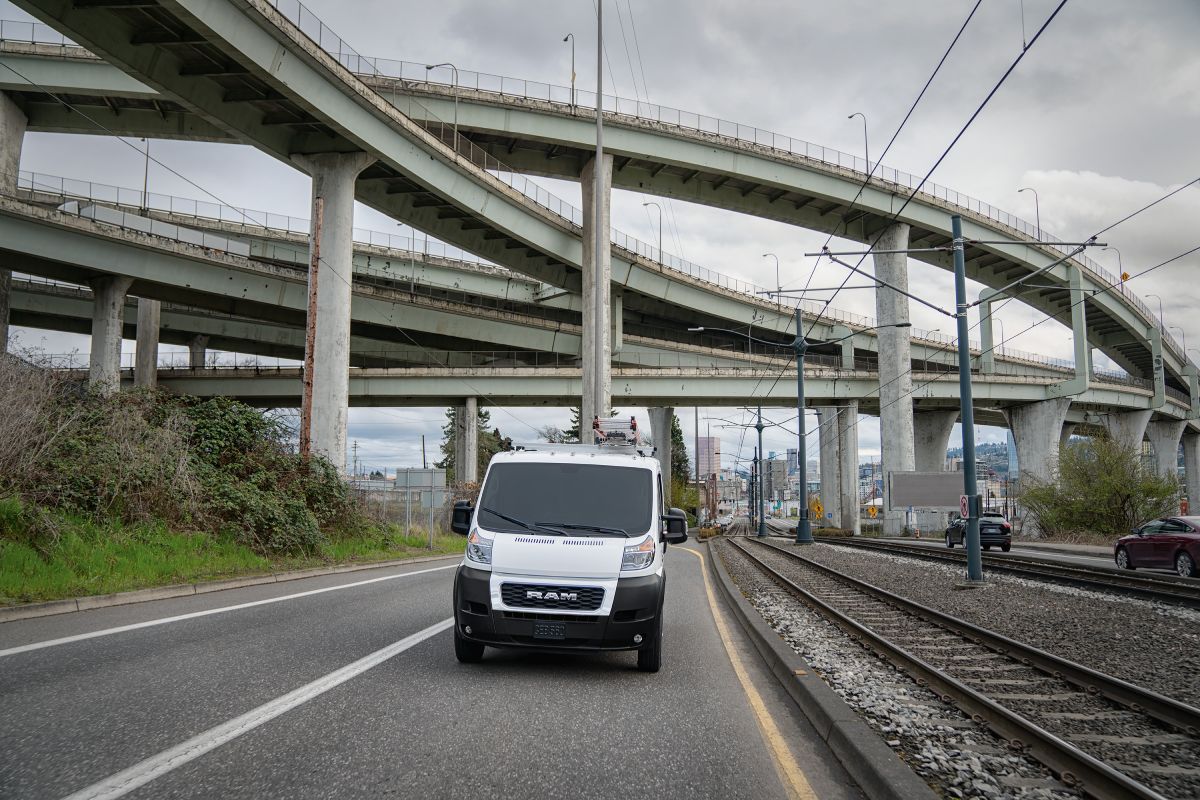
(994,529)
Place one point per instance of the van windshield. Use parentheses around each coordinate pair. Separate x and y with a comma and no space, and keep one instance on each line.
(568,494)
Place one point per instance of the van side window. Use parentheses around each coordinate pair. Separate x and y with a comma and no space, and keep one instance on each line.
(662,497)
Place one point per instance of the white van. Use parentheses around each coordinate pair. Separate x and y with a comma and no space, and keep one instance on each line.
(565,552)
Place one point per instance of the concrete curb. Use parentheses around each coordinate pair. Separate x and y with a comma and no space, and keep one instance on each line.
(31,610)
(874,766)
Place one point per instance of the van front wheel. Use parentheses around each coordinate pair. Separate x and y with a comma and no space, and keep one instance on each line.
(650,654)
(466,651)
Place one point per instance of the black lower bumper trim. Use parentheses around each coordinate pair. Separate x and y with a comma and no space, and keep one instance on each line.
(637,604)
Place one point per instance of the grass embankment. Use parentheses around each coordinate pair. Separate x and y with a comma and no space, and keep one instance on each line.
(141,489)
(91,557)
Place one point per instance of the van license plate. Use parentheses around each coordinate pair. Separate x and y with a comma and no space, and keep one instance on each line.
(549,630)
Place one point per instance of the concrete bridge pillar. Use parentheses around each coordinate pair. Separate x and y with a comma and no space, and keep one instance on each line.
(1164,439)
(931,433)
(660,432)
(330,272)
(895,364)
(1128,427)
(848,466)
(1037,430)
(197,351)
(597,336)
(845,347)
(1191,469)
(466,441)
(145,368)
(829,441)
(108,318)
(12,134)
(1068,430)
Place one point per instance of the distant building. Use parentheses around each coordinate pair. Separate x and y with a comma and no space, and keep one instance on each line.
(793,460)
(709,456)
(1012,455)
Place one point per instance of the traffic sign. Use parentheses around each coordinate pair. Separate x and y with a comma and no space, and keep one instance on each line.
(964,505)
(816,507)
(873,511)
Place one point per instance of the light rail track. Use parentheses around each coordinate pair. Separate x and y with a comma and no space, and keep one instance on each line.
(1102,735)
(1162,588)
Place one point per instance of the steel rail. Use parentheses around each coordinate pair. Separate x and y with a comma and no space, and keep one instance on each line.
(1074,766)
(1159,588)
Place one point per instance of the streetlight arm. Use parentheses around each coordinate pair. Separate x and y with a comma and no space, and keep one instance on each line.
(806,341)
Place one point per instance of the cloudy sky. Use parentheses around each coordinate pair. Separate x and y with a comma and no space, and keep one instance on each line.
(1100,117)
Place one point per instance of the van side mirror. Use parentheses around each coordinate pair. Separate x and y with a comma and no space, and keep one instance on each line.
(460,519)
(676,521)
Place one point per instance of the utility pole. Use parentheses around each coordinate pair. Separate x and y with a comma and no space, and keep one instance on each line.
(423,464)
(696,436)
(750,487)
(601,236)
(354,466)
(762,520)
(970,486)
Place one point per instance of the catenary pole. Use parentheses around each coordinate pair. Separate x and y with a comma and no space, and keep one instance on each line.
(762,483)
(970,487)
(600,236)
(804,525)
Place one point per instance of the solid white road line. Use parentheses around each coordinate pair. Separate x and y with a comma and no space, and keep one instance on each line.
(25,648)
(143,772)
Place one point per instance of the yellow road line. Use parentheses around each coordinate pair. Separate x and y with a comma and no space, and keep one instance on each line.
(793,777)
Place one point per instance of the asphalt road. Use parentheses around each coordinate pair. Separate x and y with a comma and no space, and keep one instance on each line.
(411,722)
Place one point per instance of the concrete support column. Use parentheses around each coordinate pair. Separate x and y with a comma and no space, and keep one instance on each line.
(829,440)
(597,342)
(845,347)
(1068,430)
(330,272)
(467,470)
(1128,427)
(12,134)
(145,368)
(1036,429)
(1191,469)
(1164,439)
(895,365)
(108,318)
(987,358)
(848,467)
(197,351)
(618,321)
(931,433)
(660,432)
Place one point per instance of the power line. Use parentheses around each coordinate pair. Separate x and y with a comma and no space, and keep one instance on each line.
(896,214)
(912,108)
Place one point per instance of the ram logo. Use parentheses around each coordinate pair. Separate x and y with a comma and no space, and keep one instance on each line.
(534,594)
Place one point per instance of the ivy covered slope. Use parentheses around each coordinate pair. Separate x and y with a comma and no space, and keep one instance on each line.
(144,488)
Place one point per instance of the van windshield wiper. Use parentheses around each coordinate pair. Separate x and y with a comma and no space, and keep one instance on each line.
(574,526)
(527,526)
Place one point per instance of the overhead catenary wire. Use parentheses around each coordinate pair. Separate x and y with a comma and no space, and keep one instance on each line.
(957,137)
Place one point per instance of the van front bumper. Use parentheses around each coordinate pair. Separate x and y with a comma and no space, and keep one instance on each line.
(636,607)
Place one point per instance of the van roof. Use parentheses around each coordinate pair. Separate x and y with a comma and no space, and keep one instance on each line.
(545,452)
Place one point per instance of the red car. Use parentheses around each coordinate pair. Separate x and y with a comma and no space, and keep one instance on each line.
(1166,543)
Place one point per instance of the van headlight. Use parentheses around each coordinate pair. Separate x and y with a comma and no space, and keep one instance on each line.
(479,547)
(640,555)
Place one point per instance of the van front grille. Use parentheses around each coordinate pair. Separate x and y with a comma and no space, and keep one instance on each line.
(569,598)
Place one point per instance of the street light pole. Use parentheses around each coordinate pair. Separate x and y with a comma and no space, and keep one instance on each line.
(571,36)
(1160,313)
(660,250)
(1182,333)
(146,178)
(778,285)
(1037,210)
(866,152)
(454,69)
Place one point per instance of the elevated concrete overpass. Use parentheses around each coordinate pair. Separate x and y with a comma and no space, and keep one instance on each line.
(534,128)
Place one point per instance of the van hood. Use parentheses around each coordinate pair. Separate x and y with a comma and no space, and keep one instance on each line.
(559,556)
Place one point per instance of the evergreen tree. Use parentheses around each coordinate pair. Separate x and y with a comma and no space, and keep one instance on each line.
(681,467)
